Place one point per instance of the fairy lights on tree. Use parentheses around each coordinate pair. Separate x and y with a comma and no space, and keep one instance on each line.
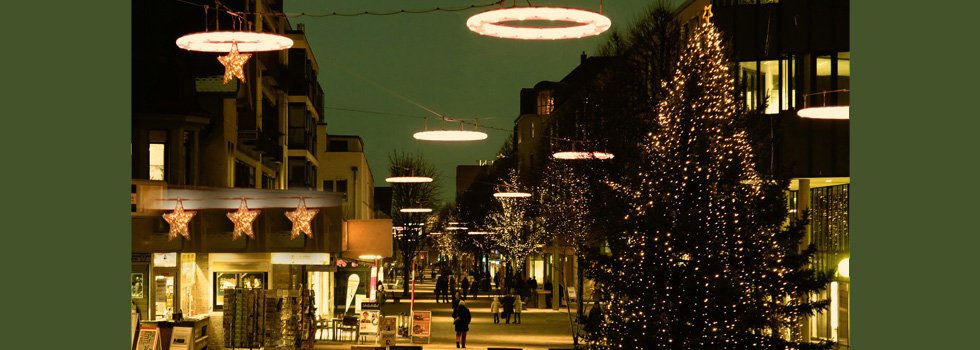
(710,261)
(515,228)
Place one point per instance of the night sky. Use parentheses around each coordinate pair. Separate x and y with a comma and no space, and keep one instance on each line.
(433,60)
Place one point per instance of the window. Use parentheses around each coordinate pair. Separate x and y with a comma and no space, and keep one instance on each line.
(244,175)
(327,185)
(337,146)
(341,186)
(158,154)
(766,83)
(532,130)
(546,103)
(232,280)
(749,78)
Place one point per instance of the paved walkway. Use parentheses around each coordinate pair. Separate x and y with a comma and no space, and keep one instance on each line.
(539,329)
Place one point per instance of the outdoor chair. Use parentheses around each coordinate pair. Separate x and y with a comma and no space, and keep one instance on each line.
(348,327)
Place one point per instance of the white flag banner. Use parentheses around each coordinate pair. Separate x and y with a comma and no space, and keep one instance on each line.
(352,283)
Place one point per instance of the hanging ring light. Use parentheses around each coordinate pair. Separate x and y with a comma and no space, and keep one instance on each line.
(576,154)
(415,210)
(450,135)
(823,111)
(490,23)
(222,41)
(408,179)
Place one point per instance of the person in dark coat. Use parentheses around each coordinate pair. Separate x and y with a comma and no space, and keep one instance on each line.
(461,322)
(508,306)
(533,286)
(442,286)
(476,286)
(456,300)
(547,297)
(464,286)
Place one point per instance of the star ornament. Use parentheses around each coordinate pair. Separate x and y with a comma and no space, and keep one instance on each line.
(243,219)
(178,220)
(233,63)
(301,218)
(706,15)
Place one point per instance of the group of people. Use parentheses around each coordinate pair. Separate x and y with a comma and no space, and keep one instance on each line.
(509,305)
(447,288)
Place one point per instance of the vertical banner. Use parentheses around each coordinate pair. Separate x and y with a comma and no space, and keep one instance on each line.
(352,283)
(421,324)
(388,330)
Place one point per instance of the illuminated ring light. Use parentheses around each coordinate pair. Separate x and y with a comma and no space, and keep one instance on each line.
(408,179)
(415,210)
(453,228)
(221,41)
(511,194)
(479,233)
(488,23)
(834,112)
(582,155)
(450,135)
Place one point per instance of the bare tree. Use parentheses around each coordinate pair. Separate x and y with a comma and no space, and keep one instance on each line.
(415,226)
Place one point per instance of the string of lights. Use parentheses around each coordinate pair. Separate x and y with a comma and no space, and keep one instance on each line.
(350,14)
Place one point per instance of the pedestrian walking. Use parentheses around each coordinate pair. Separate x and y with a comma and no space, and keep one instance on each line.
(442,287)
(475,287)
(547,297)
(452,284)
(461,322)
(495,309)
(456,300)
(508,306)
(465,285)
(518,306)
(533,283)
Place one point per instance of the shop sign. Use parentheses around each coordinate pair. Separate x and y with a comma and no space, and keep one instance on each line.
(141,257)
(301,258)
(388,330)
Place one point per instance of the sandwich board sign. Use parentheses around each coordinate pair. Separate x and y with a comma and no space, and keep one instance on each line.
(182,339)
(149,339)
(388,330)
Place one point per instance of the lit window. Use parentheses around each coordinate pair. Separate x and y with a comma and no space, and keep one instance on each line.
(546,103)
(157,156)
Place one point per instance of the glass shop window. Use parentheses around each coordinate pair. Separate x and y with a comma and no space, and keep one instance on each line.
(231,280)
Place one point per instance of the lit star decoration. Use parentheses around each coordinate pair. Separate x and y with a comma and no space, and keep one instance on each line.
(243,219)
(301,218)
(233,63)
(707,13)
(178,220)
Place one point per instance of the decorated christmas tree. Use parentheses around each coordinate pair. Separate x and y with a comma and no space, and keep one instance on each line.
(712,260)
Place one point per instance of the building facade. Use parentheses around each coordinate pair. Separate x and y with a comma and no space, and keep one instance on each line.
(212,148)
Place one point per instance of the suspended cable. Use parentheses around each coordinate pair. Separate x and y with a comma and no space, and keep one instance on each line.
(352,14)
